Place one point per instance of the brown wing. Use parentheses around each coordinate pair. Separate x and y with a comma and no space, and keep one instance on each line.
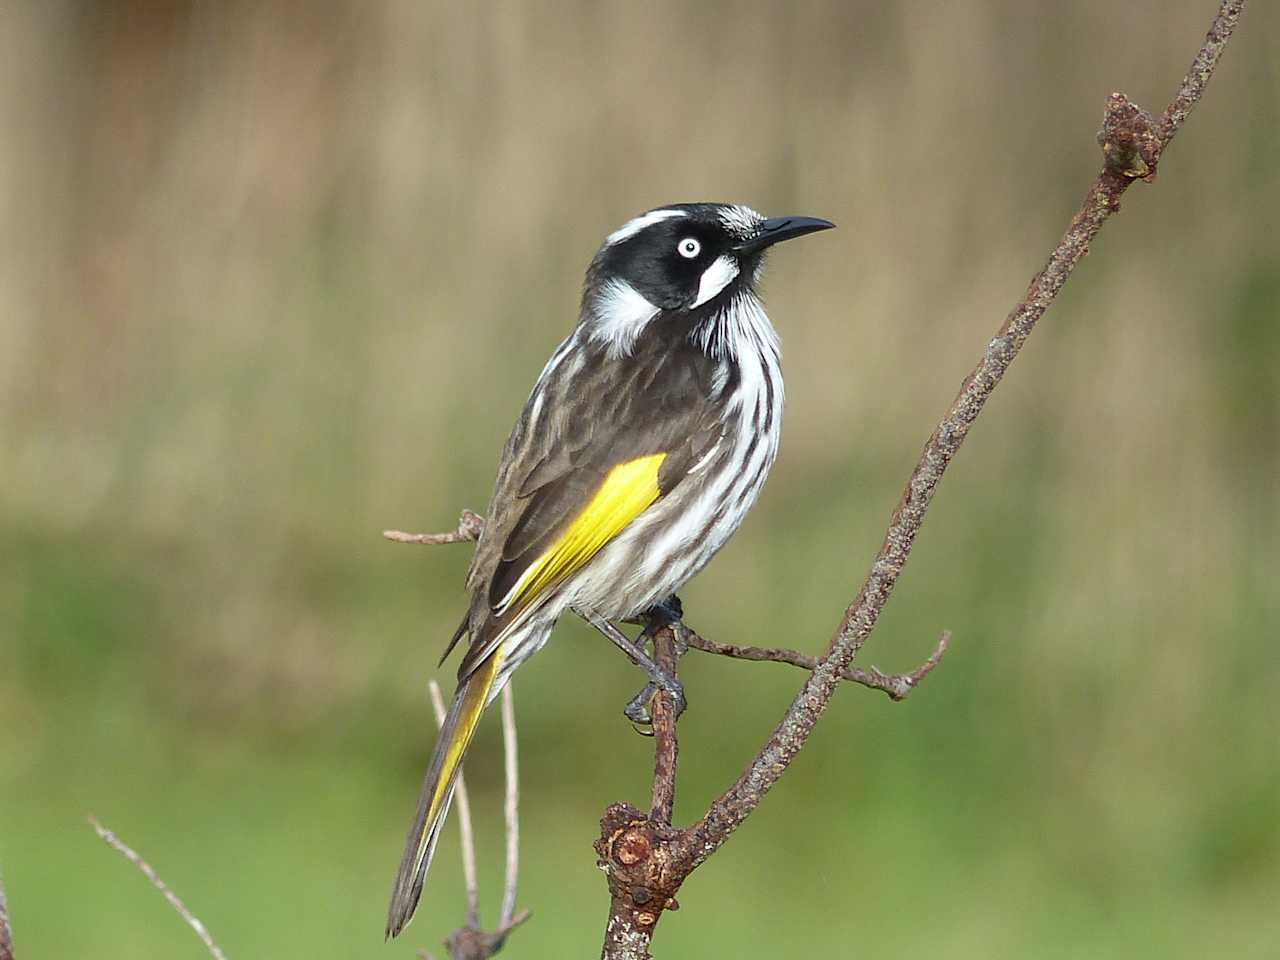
(588,414)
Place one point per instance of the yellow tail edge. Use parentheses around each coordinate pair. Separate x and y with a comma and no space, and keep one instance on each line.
(437,791)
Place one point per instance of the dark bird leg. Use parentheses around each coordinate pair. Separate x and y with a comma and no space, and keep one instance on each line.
(668,613)
(637,709)
(665,614)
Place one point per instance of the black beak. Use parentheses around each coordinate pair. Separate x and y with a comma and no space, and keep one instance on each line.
(777,229)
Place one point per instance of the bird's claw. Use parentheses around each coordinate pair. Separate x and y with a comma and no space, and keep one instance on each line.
(675,690)
(638,712)
(639,708)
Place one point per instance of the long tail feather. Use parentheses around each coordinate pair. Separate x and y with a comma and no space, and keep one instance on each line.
(437,791)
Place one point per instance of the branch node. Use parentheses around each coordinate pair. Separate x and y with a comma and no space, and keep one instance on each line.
(1130,140)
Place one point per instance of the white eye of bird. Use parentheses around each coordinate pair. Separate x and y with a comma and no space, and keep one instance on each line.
(689,248)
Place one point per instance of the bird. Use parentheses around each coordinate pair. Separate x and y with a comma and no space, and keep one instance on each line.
(642,446)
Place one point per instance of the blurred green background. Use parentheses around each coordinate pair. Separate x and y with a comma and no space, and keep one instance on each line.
(274,277)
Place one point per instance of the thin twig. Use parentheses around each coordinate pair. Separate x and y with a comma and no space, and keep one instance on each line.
(510,808)
(179,907)
(6,934)
(1202,67)
(463,804)
(469,527)
(896,685)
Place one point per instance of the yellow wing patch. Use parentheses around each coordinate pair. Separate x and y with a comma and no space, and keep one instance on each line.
(627,491)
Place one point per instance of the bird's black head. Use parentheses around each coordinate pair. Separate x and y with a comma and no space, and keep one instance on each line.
(689,261)
(686,255)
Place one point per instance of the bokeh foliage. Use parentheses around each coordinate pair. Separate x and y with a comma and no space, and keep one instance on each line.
(276,276)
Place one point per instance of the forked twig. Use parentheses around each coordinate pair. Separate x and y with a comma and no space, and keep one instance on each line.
(174,901)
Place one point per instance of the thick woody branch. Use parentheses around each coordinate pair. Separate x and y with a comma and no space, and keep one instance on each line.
(666,650)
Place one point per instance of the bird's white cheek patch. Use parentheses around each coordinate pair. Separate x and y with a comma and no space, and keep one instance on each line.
(716,277)
(621,312)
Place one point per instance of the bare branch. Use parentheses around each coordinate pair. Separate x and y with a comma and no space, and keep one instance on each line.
(510,808)
(1202,67)
(897,685)
(6,934)
(469,527)
(644,860)
(179,907)
(666,650)
(1123,123)
(463,805)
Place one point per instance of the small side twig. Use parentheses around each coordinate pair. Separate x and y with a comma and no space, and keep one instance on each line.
(6,934)
(179,907)
(469,527)
(896,685)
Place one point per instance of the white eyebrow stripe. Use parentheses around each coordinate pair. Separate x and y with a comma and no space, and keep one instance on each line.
(634,226)
(716,277)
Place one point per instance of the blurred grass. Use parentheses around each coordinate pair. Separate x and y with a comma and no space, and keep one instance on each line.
(274,277)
